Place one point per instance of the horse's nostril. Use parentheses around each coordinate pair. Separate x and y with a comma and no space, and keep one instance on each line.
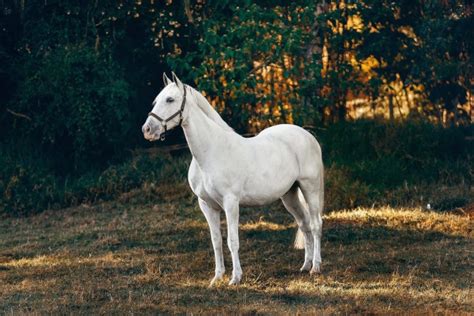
(146,129)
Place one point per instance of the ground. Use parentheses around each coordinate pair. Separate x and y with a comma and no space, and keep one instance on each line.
(149,251)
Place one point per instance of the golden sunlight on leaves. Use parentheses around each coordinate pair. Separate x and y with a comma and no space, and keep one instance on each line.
(263,84)
(355,22)
(368,64)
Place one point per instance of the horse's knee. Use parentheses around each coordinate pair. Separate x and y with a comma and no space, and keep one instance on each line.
(216,240)
(303,224)
(233,243)
(318,232)
(317,229)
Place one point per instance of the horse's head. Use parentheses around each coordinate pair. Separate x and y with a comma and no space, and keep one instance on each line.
(167,112)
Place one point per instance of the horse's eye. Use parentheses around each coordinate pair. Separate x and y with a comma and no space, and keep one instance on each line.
(169,100)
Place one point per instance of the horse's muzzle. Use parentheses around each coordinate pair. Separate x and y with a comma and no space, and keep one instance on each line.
(149,133)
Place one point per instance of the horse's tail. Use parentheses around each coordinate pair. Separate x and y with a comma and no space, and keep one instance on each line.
(299,239)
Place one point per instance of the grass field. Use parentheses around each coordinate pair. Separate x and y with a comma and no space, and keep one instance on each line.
(128,256)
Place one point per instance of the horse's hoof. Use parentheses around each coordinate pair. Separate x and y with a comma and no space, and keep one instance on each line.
(216,278)
(213,282)
(316,269)
(306,267)
(235,280)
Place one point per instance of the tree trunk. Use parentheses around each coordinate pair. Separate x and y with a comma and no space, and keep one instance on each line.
(390,107)
(342,111)
(315,46)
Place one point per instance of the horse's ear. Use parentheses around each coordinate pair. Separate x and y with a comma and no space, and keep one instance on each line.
(177,81)
(166,80)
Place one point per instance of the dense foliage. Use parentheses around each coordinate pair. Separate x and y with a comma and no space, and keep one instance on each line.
(260,63)
(77,77)
(76,102)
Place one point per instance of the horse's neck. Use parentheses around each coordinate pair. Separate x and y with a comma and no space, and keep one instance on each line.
(208,110)
(205,137)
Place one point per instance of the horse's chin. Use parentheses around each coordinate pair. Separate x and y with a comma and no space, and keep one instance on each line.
(151,138)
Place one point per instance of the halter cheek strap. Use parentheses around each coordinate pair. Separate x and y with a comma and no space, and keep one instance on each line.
(165,121)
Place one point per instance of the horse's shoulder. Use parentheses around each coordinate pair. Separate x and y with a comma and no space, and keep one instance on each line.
(194,175)
(201,184)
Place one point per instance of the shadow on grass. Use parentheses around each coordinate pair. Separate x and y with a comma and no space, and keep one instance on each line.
(145,263)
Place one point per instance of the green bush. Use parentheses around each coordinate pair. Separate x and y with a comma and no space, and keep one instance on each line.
(77,101)
(29,185)
(343,191)
(388,155)
(367,163)
(26,182)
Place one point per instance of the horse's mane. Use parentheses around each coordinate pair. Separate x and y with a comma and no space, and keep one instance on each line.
(208,110)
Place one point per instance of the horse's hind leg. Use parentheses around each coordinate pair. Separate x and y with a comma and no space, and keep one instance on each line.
(313,191)
(294,205)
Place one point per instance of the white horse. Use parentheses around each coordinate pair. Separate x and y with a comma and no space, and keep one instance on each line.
(228,171)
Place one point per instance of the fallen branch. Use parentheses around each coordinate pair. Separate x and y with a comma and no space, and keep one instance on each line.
(18,114)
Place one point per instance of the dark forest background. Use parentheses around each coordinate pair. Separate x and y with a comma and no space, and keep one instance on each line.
(386,86)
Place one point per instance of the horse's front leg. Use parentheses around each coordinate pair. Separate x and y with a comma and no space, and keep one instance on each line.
(231,208)
(214,220)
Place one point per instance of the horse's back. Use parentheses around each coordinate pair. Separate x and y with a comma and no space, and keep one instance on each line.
(295,137)
(300,142)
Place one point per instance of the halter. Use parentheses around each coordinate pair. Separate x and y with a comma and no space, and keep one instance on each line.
(164,121)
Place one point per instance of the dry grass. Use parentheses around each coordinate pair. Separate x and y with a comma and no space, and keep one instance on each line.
(127,256)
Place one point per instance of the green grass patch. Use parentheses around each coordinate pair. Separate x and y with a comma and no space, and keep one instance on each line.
(133,256)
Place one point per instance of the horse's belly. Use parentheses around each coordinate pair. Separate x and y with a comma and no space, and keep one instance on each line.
(261,189)
(258,200)
(256,191)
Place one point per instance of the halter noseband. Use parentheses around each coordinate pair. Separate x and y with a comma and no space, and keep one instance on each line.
(164,121)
